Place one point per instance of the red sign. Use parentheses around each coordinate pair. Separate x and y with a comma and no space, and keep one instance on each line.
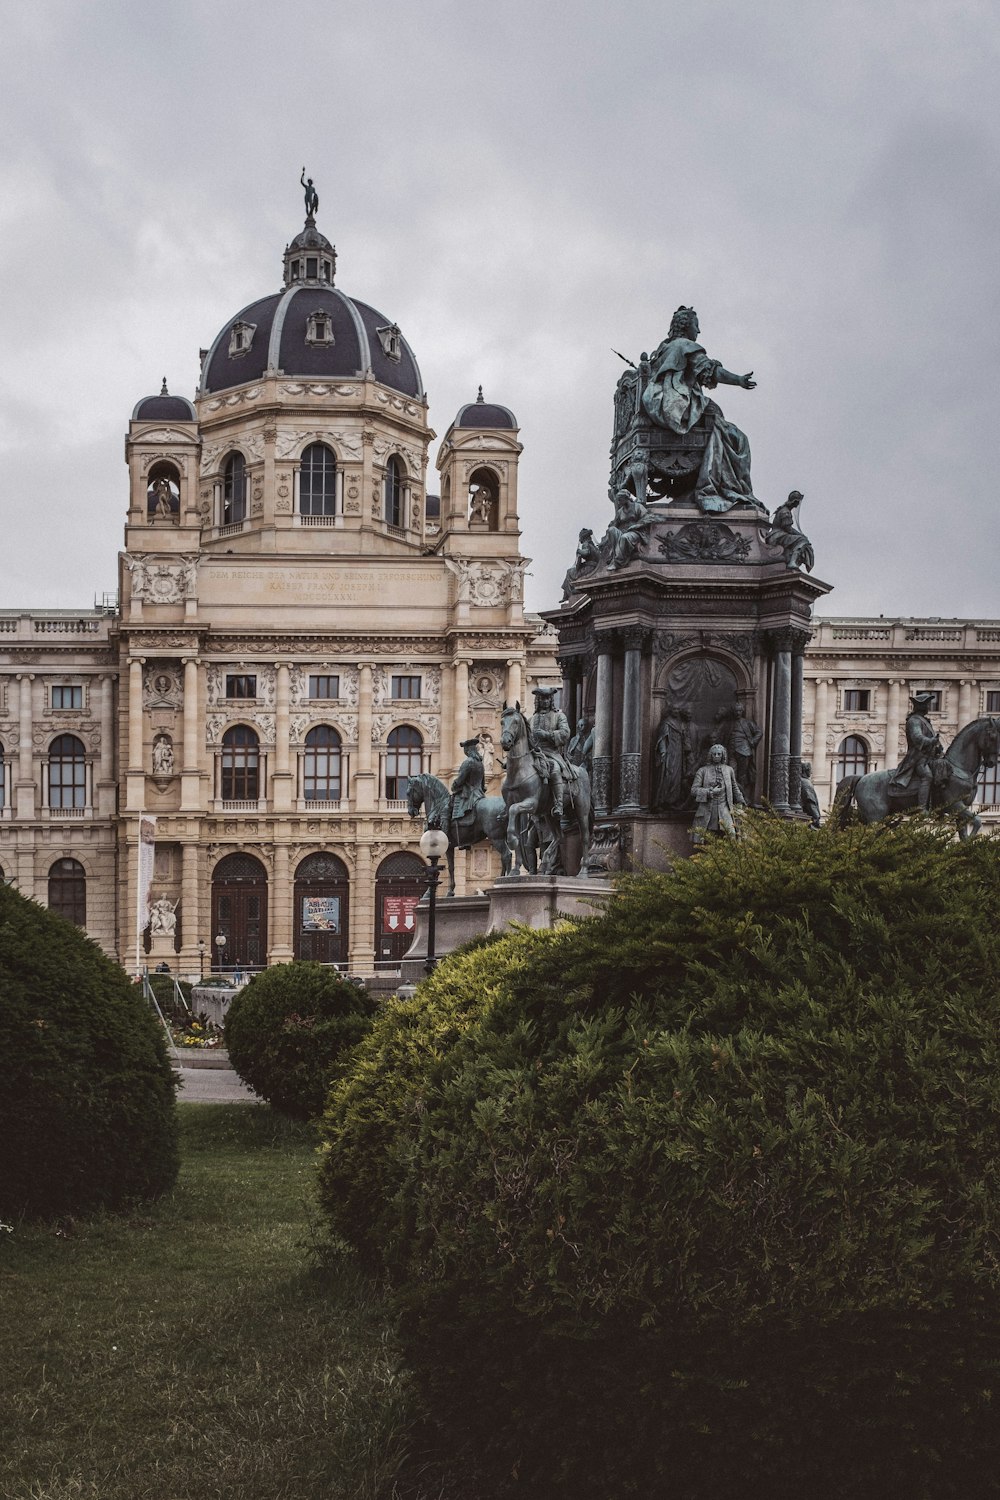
(399,913)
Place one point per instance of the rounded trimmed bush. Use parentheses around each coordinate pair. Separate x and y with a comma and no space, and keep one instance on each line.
(87,1117)
(290,1030)
(708,1193)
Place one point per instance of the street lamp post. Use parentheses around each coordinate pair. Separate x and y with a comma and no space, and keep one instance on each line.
(433,846)
(201,958)
(220,947)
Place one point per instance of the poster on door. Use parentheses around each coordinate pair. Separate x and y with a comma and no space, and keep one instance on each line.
(399,913)
(320,913)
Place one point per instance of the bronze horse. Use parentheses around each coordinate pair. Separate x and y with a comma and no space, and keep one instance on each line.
(953,783)
(526,792)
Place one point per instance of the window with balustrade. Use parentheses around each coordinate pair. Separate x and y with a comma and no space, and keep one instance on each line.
(404,758)
(392,492)
(67,767)
(321,765)
(234,490)
(240,765)
(317,481)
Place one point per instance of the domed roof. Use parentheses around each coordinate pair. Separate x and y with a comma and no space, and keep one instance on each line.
(163,408)
(480,413)
(279,332)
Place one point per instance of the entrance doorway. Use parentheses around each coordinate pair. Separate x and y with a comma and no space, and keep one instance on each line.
(400,881)
(239,912)
(321,916)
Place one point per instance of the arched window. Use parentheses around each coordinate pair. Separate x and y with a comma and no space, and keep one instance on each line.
(321,765)
(67,772)
(240,765)
(68,890)
(234,490)
(318,481)
(853,757)
(404,759)
(392,490)
(988,787)
(484,511)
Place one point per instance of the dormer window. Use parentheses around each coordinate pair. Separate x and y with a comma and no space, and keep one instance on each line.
(241,337)
(391,340)
(319,328)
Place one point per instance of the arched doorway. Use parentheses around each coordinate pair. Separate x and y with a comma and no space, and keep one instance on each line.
(400,881)
(239,912)
(321,912)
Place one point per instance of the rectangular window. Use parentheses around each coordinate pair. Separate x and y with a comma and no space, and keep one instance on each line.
(324,686)
(241,685)
(993,702)
(934,707)
(857,700)
(405,687)
(67,697)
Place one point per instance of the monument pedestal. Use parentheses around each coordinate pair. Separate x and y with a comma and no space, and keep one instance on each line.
(161,951)
(456,920)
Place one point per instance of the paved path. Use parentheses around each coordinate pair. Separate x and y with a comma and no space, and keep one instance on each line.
(214,1086)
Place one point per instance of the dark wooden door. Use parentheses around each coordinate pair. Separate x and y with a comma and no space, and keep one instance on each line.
(239,912)
(400,882)
(321,931)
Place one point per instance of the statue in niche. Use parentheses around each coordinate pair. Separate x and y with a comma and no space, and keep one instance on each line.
(629,530)
(674,759)
(673,381)
(163,918)
(744,737)
(717,794)
(784,533)
(162,499)
(163,755)
(580,750)
(808,798)
(588,555)
(481,505)
(488,753)
(312,197)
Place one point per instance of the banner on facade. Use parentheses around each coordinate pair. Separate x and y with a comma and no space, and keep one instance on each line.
(320,913)
(399,913)
(147,848)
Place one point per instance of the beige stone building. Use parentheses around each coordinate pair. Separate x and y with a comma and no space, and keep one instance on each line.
(302,626)
(859,674)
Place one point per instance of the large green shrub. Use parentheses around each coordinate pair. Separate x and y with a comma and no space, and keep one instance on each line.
(709,1194)
(290,1030)
(87,1116)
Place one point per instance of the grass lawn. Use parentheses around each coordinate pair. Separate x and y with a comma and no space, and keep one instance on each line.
(202,1348)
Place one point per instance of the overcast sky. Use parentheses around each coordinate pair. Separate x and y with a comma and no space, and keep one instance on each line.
(524,186)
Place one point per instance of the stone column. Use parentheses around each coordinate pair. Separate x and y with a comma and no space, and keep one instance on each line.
(780,643)
(136,790)
(800,641)
(280,949)
(630,768)
(461,713)
(282,778)
(821,761)
(892,723)
(966,692)
(25,803)
(365,788)
(570,668)
(190,770)
(515,685)
(602,724)
(106,765)
(362,912)
(191,920)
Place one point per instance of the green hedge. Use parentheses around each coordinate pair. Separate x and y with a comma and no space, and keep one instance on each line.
(289,1031)
(87,1116)
(708,1194)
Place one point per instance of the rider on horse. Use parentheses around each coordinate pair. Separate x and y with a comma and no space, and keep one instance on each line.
(468,788)
(923,748)
(549,738)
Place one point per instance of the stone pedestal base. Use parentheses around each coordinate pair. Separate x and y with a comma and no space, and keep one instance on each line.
(161,951)
(540,900)
(456,920)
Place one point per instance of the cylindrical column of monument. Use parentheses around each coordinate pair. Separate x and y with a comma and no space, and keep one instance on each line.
(821,762)
(780,642)
(630,766)
(567,700)
(602,724)
(800,639)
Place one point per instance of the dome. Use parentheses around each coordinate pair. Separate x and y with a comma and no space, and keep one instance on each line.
(480,413)
(163,408)
(312,332)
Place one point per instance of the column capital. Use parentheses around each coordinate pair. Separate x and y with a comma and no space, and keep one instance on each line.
(25,676)
(634,637)
(605,641)
(788,638)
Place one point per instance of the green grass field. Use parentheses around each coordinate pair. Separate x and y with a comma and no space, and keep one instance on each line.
(206,1347)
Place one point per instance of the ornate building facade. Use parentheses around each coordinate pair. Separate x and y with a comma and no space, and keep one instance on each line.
(301,627)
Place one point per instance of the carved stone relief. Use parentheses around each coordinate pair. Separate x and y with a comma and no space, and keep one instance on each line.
(162,581)
(161,685)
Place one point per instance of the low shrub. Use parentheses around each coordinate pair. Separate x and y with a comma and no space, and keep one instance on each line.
(708,1193)
(87,1117)
(290,1031)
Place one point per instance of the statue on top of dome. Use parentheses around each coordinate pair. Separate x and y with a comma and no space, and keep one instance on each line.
(312,197)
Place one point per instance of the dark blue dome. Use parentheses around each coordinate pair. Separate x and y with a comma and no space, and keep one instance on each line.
(163,408)
(480,413)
